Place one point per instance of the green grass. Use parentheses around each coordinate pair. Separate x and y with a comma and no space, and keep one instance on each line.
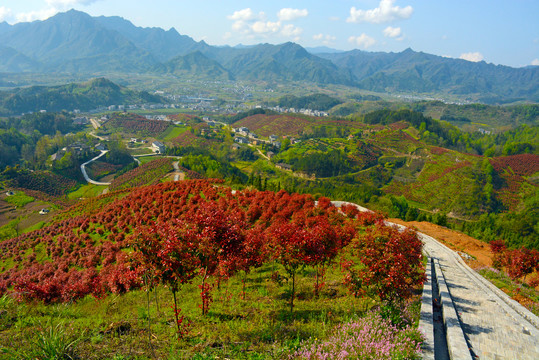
(20,199)
(173,132)
(140,151)
(87,191)
(259,327)
(37,226)
(512,288)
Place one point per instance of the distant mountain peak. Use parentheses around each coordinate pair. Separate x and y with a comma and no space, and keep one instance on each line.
(76,42)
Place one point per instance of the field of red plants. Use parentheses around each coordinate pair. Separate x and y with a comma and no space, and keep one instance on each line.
(97,169)
(449,169)
(512,170)
(175,231)
(45,182)
(266,125)
(189,139)
(521,165)
(186,118)
(135,124)
(145,174)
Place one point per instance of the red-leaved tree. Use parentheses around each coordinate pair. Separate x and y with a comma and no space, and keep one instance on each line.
(391,261)
(170,257)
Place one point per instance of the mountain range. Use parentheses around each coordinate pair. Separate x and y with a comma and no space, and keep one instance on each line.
(75,42)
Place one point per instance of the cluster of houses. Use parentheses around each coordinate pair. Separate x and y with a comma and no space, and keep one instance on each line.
(244,136)
(157,146)
(308,112)
(76,149)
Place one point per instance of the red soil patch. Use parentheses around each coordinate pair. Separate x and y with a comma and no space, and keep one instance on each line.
(454,240)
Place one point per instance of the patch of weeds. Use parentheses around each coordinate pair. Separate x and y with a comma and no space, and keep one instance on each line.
(51,342)
(19,199)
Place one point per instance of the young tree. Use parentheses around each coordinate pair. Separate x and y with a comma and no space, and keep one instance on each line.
(498,248)
(218,239)
(169,255)
(520,263)
(391,260)
(288,245)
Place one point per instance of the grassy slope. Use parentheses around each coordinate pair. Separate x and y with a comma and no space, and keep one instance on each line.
(258,327)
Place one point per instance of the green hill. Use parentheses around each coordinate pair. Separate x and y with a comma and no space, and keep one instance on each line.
(84,96)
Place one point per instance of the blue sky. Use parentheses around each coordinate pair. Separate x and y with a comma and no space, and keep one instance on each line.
(497,31)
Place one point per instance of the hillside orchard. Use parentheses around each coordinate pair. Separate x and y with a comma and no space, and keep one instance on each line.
(178,234)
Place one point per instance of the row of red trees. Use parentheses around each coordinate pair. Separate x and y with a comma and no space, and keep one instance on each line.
(174,232)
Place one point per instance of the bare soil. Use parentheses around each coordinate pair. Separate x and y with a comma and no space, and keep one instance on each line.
(28,213)
(454,240)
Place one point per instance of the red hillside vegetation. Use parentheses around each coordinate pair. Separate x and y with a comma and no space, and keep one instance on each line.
(522,164)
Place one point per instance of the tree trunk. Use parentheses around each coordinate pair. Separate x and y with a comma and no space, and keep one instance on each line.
(293,292)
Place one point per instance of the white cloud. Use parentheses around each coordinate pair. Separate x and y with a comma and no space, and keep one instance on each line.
(36,15)
(69,3)
(385,12)
(244,15)
(263,27)
(54,7)
(290,30)
(362,40)
(535,62)
(4,12)
(471,56)
(288,14)
(392,32)
(325,39)
(254,25)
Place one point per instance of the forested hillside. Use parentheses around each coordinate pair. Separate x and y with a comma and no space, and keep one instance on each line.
(86,96)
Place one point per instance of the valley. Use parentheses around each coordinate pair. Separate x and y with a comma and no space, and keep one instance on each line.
(164,198)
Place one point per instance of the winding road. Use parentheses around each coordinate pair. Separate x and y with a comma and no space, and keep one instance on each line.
(83,170)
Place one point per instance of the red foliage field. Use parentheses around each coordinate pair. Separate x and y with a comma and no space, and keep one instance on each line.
(512,170)
(45,182)
(104,244)
(186,118)
(135,124)
(97,169)
(521,165)
(449,169)
(189,139)
(266,125)
(146,174)
(438,150)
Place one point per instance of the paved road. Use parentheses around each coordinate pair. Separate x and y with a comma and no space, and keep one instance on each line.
(83,170)
(95,123)
(179,174)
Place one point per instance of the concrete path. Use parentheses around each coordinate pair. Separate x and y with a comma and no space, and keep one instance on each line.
(494,325)
(484,322)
